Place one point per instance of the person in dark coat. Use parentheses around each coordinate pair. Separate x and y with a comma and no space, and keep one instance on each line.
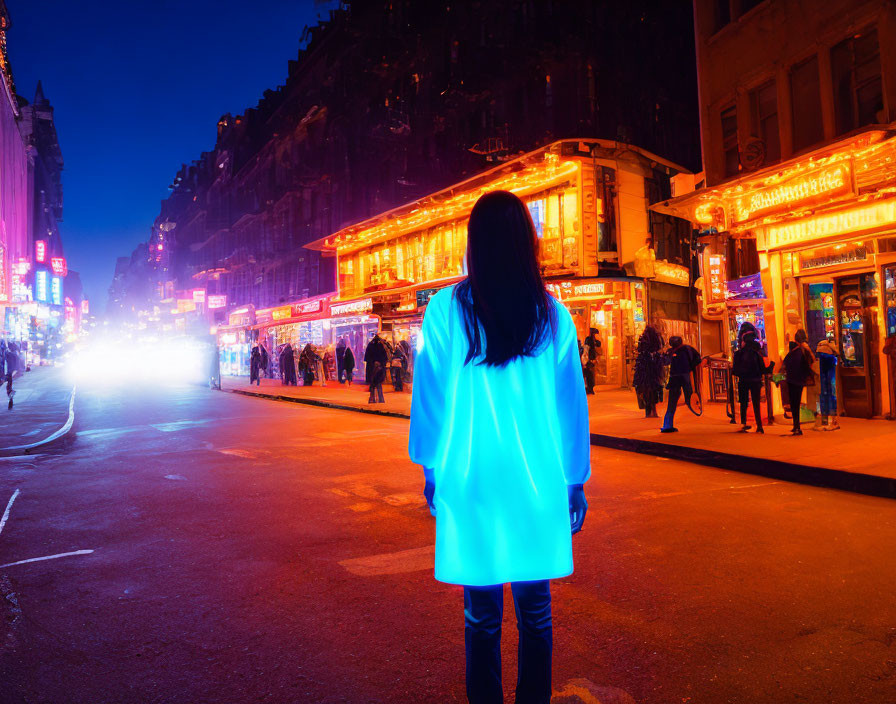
(340,357)
(683,360)
(798,372)
(257,364)
(288,365)
(375,352)
(307,363)
(348,364)
(749,366)
(592,346)
(396,367)
(11,361)
(648,376)
(377,377)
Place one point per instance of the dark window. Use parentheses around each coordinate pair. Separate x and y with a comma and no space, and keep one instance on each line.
(858,94)
(722,13)
(764,109)
(807,125)
(729,140)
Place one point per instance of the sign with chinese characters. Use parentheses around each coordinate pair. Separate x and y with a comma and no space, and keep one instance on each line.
(801,190)
(354,307)
(588,289)
(281,313)
(714,269)
(40,251)
(215,302)
(867,217)
(56,290)
(59,266)
(198,295)
(85,307)
(42,285)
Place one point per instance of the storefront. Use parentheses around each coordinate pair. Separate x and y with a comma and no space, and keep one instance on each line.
(588,205)
(824,231)
(235,341)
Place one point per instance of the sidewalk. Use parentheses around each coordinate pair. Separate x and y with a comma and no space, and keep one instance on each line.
(856,458)
(41,408)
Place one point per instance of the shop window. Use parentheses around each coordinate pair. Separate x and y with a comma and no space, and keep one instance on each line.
(764,115)
(729,140)
(570,228)
(606,212)
(806,98)
(858,92)
(890,294)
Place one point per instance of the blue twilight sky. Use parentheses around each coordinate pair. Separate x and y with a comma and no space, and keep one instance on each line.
(138,87)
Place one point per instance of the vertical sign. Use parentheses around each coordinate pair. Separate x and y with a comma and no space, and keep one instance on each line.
(715,278)
(4,293)
(41,285)
(56,290)
(40,251)
(589,205)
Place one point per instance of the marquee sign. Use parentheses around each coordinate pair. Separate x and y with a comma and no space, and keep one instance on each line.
(354,307)
(215,302)
(281,313)
(866,217)
(801,190)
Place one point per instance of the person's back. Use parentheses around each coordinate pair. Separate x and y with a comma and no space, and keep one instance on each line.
(748,363)
(499,423)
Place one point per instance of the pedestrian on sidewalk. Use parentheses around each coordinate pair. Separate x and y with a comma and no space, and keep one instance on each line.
(288,365)
(340,360)
(649,371)
(256,365)
(592,349)
(348,364)
(499,423)
(749,366)
(377,377)
(682,360)
(307,364)
(396,368)
(11,360)
(828,358)
(798,371)
(375,352)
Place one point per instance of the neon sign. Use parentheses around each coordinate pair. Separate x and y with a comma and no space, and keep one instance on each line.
(85,307)
(281,313)
(40,251)
(867,217)
(716,289)
(361,306)
(828,182)
(586,289)
(56,290)
(216,302)
(198,295)
(42,285)
(310,307)
(59,266)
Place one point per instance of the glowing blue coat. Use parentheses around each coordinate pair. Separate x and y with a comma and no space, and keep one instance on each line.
(502,444)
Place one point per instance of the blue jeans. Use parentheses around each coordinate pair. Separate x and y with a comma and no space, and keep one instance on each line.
(483,613)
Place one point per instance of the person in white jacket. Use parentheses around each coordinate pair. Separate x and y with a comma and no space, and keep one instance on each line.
(499,422)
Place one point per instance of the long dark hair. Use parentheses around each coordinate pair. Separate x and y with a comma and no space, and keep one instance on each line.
(503,296)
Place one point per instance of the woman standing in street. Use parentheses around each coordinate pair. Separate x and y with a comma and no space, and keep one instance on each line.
(500,425)
(348,364)
(649,367)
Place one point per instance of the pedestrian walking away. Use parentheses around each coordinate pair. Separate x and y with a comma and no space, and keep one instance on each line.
(256,365)
(377,377)
(340,360)
(590,354)
(798,372)
(828,358)
(499,423)
(348,364)
(12,363)
(649,371)
(682,360)
(396,368)
(749,366)
(376,352)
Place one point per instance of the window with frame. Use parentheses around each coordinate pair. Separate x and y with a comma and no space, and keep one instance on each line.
(764,116)
(806,98)
(856,74)
(729,140)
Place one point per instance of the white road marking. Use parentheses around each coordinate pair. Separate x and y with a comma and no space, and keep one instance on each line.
(47,557)
(176,477)
(414,560)
(8,508)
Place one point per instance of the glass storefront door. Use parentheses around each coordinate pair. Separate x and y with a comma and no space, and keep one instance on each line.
(856,299)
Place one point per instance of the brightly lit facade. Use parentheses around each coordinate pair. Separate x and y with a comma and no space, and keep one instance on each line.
(588,200)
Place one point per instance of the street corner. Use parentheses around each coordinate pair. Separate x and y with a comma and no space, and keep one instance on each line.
(583,691)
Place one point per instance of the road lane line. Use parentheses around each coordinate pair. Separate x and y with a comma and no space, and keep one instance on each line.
(8,508)
(414,560)
(47,557)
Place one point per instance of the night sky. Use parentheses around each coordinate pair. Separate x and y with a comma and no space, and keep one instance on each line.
(138,87)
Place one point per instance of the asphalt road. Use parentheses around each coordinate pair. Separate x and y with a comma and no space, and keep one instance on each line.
(252,551)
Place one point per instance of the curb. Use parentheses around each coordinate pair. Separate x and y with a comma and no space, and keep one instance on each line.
(854,482)
(52,437)
(320,403)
